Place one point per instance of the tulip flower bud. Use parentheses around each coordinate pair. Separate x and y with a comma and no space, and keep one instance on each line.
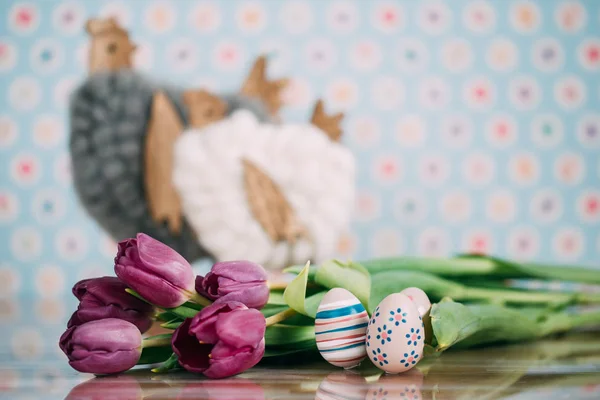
(105,346)
(242,281)
(223,339)
(155,271)
(105,297)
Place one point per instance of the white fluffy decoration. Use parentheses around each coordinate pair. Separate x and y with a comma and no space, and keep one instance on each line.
(315,174)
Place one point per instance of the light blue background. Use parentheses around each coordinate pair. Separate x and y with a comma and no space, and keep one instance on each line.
(71,246)
(389,223)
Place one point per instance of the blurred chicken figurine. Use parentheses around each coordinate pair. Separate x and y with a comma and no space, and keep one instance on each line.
(211,175)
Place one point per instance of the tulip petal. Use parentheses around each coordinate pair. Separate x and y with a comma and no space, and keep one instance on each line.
(151,287)
(105,297)
(242,281)
(202,291)
(106,363)
(250,294)
(240,271)
(208,284)
(108,290)
(241,328)
(227,361)
(83,315)
(192,355)
(102,347)
(163,261)
(65,339)
(203,325)
(108,334)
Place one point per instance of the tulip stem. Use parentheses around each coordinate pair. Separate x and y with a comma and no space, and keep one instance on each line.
(156,341)
(277,285)
(198,299)
(282,316)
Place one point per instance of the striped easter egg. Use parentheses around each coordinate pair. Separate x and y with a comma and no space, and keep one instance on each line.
(340,328)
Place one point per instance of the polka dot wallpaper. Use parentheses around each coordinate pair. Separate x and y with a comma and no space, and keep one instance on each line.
(476,124)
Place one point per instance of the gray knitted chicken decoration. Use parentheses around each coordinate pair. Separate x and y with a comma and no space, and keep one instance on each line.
(124,131)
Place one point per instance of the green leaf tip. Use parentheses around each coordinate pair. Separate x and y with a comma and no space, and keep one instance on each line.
(295,293)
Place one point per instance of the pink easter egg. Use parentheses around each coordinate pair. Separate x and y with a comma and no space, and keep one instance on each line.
(419,298)
(395,335)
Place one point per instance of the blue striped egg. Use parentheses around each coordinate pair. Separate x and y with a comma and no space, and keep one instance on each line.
(340,328)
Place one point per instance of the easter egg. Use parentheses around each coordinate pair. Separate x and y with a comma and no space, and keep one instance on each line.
(395,335)
(340,328)
(419,298)
(342,385)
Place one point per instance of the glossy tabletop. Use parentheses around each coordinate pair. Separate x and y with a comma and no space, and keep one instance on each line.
(560,368)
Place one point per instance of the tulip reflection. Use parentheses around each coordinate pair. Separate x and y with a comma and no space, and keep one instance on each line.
(221,389)
(123,387)
(343,385)
(143,385)
(405,386)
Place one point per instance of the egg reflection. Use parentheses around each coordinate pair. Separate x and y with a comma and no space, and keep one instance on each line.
(406,386)
(342,385)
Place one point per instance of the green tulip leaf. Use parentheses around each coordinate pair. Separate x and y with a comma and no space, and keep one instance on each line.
(350,276)
(167,316)
(500,324)
(192,305)
(386,283)
(276,298)
(300,347)
(173,324)
(135,294)
(506,268)
(295,293)
(160,336)
(459,325)
(171,363)
(301,320)
(311,303)
(483,266)
(272,309)
(183,311)
(279,334)
(452,322)
(153,355)
(296,269)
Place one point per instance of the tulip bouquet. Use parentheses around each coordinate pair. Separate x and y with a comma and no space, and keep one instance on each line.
(227,321)
(218,328)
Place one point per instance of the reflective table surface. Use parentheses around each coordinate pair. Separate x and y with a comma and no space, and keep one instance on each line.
(561,368)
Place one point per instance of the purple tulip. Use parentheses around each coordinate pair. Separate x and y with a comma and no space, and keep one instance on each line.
(105,346)
(105,297)
(242,281)
(155,271)
(223,339)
